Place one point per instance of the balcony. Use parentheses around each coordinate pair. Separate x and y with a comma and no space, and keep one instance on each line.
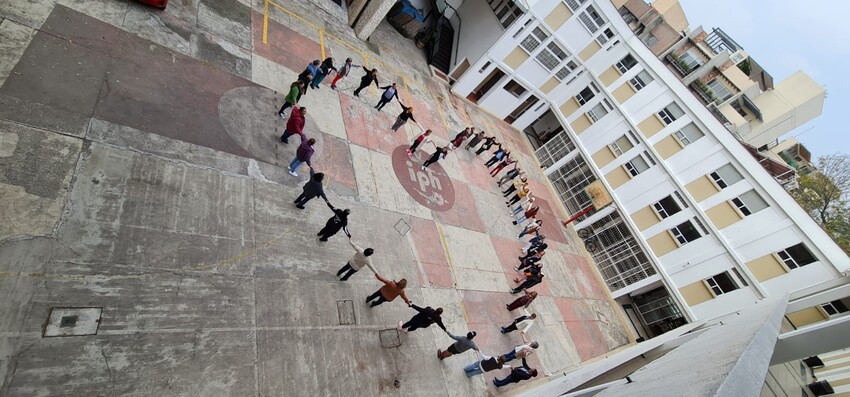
(679,65)
(703,92)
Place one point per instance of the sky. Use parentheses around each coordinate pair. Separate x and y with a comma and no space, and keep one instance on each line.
(785,36)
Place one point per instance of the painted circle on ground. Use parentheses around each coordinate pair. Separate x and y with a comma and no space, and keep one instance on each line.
(432,188)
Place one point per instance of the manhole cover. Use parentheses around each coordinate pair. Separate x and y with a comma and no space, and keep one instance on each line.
(389,338)
(72,321)
(402,227)
(345,308)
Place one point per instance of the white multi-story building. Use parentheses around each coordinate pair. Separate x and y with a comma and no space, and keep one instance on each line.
(697,227)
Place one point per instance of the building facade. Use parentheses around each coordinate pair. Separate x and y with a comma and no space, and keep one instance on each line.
(698,227)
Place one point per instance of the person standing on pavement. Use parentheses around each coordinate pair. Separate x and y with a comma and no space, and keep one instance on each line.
(498,155)
(523,301)
(476,139)
(525,321)
(531,213)
(524,205)
(512,173)
(485,364)
(336,223)
(522,351)
(370,77)
(531,260)
(303,154)
(516,185)
(459,138)
(534,242)
(291,98)
(423,319)
(436,156)
(524,191)
(406,113)
(531,228)
(517,375)
(461,345)
(421,139)
(313,188)
(535,249)
(295,124)
(388,293)
(390,92)
(505,162)
(324,69)
(342,72)
(360,259)
(529,282)
(309,74)
(488,142)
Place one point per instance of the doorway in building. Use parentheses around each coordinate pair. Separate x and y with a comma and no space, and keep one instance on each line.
(485,85)
(658,312)
(521,109)
(543,129)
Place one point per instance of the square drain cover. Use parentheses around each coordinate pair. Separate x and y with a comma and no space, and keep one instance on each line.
(402,227)
(345,308)
(72,321)
(389,338)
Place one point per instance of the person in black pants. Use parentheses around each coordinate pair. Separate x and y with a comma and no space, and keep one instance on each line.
(496,157)
(529,282)
(336,223)
(423,319)
(488,141)
(517,374)
(390,92)
(370,77)
(438,154)
(312,189)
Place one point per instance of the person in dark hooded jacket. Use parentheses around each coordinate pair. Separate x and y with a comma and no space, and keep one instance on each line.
(313,188)
(336,223)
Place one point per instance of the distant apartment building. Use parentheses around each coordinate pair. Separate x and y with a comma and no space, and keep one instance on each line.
(698,228)
(659,24)
(792,152)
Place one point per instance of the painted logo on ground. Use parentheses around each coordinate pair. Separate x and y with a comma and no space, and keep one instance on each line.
(432,188)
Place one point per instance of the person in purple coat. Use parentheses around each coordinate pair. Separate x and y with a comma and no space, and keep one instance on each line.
(303,154)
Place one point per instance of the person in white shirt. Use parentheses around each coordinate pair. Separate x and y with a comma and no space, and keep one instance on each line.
(360,259)
(522,351)
(524,321)
(486,364)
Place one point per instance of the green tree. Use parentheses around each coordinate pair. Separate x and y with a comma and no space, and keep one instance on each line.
(825,195)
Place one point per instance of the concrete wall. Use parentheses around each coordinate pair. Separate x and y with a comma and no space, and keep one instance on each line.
(479,30)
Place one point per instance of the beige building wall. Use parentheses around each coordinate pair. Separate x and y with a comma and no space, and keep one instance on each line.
(569,107)
(650,126)
(766,267)
(668,146)
(662,243)
(806,316)
(722,215)
(793,102)
(603,157)
(617,177)
(588,51)
(516,58)
(702,188)
(609,75)
(696,293)
(645,218)
(581,123)
(549,85)
(558,16)
(624,92)
(673,13)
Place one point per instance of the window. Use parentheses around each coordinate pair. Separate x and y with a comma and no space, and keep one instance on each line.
(551,56)
(650,40)
(834,307)
(506,11)
(636,166)
(522,28)
(666,207)
(566,70)
(721,284)
(626,63)
(606,35)
(641,80)
(515,88)
(685,233)
(720,91)
(575,4)
(586,94)
(670,113)
(682,200)
(796,256)
(483,68)
(749,203)
(726,176)
(693,61)
(621,145)
(591,19)
(599,111)
(533,40)
(689,134)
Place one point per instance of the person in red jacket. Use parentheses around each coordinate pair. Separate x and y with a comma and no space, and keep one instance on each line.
(303,154)
(295,125)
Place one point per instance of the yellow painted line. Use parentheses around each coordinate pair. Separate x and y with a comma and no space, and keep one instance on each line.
(322,42)
(440,109)
(294,15)
(406,89)
(266,22)
(451,266)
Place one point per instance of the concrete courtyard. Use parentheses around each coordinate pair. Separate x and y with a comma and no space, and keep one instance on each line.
(141,176)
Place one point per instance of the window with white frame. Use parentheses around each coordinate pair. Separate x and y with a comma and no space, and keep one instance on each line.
(749,203)
(682,200)
(688,134)
(606,35)
(515,88)
(506,11)
(720,90)
(640,80)
(621,145)
(551,56)
(835,307)
(566,70)
(796,256)
(666,207)
(599,111)
(591,19)
(650,40)
(636,165)
(575,4)
(586,94)
(690,58)
(722,283)
(726,176)
(483,68)
(626,63)
(522,28)
(685,233)
(670,113)
(533,40)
